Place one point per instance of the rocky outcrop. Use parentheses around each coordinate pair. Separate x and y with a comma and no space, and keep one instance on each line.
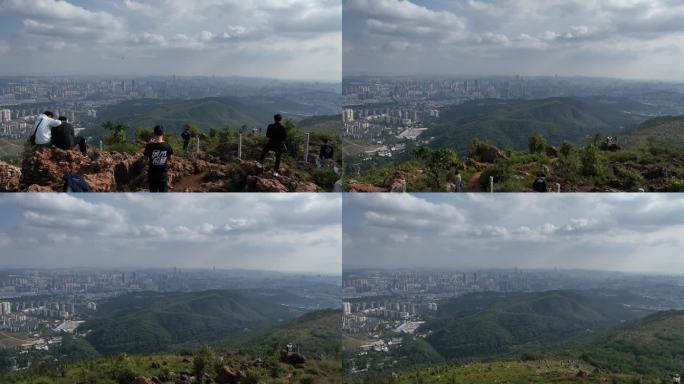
(492,154)
(228,375)
(365,188)
(10,178)
(396,182)
(43,171)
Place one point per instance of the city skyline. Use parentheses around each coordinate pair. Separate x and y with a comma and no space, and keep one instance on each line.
(616,39)
(293,40)
(303,232)
(621,233)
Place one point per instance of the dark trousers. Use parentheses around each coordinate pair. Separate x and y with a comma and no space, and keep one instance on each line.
(185,145)
(158,183)
(82,145)
(275,147)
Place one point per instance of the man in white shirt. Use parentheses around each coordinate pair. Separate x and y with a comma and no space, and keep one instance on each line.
(43,128)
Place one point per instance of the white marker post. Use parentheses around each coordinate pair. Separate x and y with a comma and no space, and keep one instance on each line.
(306,156)
(491,184)
(198,145)
(558,187)
(240,147)
(459,182)
(101,146)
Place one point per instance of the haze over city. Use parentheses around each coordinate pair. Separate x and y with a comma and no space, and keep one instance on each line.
(256,38)
(628,233)
(640,39)
(294,233)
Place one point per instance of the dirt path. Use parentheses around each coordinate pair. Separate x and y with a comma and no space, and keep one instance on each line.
(188,183)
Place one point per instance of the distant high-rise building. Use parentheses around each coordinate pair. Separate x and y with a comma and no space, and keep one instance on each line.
(5,308)
(5,116)
(347,115)
(346,308)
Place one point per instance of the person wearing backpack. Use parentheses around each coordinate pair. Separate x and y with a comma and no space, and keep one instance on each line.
(157,155)
(276,134)
(42,133)
(186,138)
(64,137)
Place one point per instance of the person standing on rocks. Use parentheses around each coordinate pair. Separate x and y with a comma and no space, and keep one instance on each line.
(276,134)
(186,138)
(64,137)
(42,134)
(157,155)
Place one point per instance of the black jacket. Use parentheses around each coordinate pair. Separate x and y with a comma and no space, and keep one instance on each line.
(326,152)
(276,133)
(185,135)
(63,137)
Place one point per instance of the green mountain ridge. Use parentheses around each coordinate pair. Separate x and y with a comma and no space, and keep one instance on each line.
(509,124)
(652,345)
(203,113)
(492,324)
(252,356)
(148,322)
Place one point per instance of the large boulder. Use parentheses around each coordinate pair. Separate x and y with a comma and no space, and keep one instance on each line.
(46,168)
(10,178)
(264,184)
(228,375)
(365,188)
(492,154)
(396,182)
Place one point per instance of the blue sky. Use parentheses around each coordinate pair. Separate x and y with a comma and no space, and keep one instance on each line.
(637,39)
(617,232)
(289,39)
(294,232)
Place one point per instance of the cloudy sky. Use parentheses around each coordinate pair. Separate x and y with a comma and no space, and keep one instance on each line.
(294,232)
(616,232)
(642,39)
(291,39)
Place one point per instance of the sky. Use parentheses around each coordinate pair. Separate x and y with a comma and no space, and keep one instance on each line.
(632,39)
(642,233)
(284,39)
(288,233)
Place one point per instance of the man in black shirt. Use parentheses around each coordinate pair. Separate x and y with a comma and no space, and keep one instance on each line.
(157,154)
(276,134)
(64,137)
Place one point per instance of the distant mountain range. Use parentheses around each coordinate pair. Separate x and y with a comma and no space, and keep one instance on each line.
(509,124)
(214,112)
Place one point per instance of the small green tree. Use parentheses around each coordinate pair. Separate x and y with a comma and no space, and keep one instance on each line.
(143,134)
(437,162)
(117,132)
(122,370)
(203,361)
(537,143)
(295,139)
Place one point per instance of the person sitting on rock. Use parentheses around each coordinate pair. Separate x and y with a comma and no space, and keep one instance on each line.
(64,137)
(157,154)
(276,134)
(326,153)
(42,134)
(186,138)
